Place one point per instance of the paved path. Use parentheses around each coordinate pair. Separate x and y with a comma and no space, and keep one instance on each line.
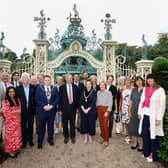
(80,155)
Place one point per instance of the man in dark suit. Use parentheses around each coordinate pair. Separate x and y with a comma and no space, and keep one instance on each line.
(113,91)
(26,93)
(85,77)
(46,106)
(80,87)
(68,105)
(15,79)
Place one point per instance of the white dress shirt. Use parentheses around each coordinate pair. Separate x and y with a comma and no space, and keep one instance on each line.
(67,87)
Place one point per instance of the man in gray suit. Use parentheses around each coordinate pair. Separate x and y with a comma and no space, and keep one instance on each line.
(4,83)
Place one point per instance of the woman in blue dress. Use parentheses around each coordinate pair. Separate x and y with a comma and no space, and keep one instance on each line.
(88,112)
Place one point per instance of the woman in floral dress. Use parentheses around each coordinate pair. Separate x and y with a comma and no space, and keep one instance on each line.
(11,110)
(124,107)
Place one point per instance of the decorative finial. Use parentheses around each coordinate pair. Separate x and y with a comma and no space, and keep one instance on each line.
(24,51)
(145,45)
(108,26)
(42,24)
(76,13)
(2,38)
(74,18)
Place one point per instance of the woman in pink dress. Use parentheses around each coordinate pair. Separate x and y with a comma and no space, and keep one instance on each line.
(11,108)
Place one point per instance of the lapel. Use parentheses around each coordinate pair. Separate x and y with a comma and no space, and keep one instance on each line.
(30,92)
(52,91)
(73,90)
(65,90)
(23,93)
(43,90)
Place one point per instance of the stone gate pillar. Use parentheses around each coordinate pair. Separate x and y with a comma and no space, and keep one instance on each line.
(144,67)
(41,57)
(109,58)
(5,66)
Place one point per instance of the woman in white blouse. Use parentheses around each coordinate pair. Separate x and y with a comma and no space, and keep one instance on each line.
(151,111)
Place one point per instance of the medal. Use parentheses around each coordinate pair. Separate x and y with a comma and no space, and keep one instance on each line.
(86,97)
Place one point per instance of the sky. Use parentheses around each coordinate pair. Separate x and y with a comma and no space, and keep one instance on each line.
(134,18)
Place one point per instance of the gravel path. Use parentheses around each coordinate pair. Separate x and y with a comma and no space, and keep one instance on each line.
(80,155)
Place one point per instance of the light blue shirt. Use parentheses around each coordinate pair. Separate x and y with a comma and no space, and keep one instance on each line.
(26,91)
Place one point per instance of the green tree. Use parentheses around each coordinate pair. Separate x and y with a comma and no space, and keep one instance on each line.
(11,56)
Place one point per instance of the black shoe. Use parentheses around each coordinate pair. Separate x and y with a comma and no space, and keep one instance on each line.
(134,147)
(39,146)
(23,146)
(110,135)
(31,143)
(17,152)
(66,140)
(73,140)
(51,143)
(140,150)
(78,129)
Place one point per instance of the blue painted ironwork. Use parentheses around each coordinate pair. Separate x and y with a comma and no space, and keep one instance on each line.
(75,65)
(74,31)
(108,26)
(42,24)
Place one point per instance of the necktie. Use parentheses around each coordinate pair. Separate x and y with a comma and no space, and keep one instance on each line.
(48,94)
(6,85)
(70,95)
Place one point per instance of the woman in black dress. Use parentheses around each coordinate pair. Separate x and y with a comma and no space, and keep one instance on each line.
(88,112)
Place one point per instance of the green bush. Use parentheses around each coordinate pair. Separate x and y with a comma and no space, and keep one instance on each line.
(163,151)
(160,68)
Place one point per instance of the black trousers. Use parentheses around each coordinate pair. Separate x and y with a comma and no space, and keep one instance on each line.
(111,118)
(149,145)
(27,128)
(69,117)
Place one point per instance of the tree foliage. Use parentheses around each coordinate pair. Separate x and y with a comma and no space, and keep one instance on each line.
(11,56)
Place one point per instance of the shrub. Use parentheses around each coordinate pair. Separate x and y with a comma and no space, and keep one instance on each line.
(163,151)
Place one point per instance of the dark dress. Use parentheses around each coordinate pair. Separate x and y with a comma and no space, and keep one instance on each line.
(88,121)
(134,121)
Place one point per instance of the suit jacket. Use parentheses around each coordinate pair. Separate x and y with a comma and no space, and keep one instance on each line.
(12,83)
(80,88)
(31,106)
(41,99)
(63,101)
(2,94)
(113,90)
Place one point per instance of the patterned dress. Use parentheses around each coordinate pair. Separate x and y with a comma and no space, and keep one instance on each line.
(124,108)
(13,138)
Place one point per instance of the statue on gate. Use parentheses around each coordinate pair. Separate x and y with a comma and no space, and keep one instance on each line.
(144,48)
(76,13)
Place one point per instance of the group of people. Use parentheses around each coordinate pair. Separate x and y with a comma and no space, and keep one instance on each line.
(77,104)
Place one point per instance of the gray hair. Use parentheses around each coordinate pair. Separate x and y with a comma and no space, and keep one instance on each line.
(59,77)
(25,74)
(121,78)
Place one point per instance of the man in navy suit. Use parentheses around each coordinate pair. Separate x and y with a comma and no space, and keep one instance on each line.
(46,106)
(68,106)
(26,93)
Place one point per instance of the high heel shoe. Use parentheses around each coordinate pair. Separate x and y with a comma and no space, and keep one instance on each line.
(140,150)
(134,147)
